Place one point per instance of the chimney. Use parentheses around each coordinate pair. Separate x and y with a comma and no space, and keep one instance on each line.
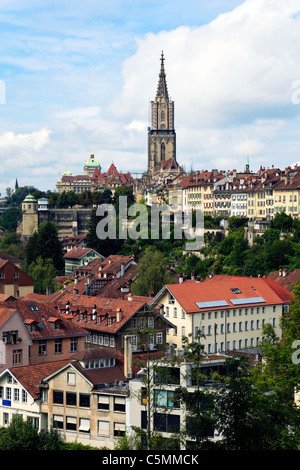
(122,269)
(130,298)
(180,278)
(119,315)
(161,309)
(193,275)
(284,272)
(280,272)
(127,357)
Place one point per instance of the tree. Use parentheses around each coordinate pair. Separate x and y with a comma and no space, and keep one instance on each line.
(199,402)
(43,272)
(21,435)
(9,219)
(152,274)
(46,245)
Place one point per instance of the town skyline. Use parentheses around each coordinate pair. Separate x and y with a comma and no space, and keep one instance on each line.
(76,83)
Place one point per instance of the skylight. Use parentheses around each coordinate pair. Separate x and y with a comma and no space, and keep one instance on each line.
(236,290)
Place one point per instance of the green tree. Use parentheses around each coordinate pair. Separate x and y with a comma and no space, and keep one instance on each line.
(43,272)
(152,273)
(199,418)
(46,245)
(9,219)
(21,435)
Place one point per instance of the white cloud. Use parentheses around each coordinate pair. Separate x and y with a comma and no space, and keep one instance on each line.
(231,80)
(23,149)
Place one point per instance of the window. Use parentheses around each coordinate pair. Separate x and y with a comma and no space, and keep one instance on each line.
(58,422)
(166,398)
(24,396)
(166,423)
(84,425)
(58,346)
(17,357)
(42,348)
(150,322)
(119,429)
(71,378)
(71,398)
(71,423)
(159,338)
(58,397)
(103,402)
(103,428)
(16,394)
(119,404)
(84,400)
(74,344)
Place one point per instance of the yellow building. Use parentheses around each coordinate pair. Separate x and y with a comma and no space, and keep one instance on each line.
(229,312)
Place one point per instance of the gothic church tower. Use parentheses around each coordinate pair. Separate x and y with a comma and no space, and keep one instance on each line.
(161,134)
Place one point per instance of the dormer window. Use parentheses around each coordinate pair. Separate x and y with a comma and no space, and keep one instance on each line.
(31,325)
(55,322)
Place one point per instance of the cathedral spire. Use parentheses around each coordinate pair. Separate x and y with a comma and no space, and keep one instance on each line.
(162,90)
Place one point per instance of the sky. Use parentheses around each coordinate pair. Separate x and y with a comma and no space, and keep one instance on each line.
(78,77)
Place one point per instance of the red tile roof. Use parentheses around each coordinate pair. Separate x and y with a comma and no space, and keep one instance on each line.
(286,281)
(41,313)
(77,253)
(30,376)
(219,288)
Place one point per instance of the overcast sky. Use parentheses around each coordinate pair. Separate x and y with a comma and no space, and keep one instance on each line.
(77,78)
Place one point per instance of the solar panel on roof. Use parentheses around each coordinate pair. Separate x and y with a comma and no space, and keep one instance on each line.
(247,300)
(212,304)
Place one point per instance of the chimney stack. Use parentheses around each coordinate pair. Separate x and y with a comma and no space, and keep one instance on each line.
(127,357)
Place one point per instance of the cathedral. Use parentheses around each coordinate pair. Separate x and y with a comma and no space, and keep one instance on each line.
(161,134)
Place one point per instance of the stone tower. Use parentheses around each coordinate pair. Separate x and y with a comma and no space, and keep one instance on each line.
(161,134)
(29,217)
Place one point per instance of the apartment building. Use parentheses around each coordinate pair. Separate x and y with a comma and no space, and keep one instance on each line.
(14,281)
(156,405)
(20,393)
(228,310)
(86,401)
(35,332)
(107,321)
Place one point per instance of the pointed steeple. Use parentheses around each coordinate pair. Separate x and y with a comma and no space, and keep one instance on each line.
(162,90)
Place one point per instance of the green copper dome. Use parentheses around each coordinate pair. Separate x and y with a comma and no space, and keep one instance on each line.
(29,198)
(92,162)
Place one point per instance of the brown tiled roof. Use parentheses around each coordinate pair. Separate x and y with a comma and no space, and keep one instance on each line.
(5,314)
(30,376)
(219,288)
(41,313)
(286,281)
(77,253)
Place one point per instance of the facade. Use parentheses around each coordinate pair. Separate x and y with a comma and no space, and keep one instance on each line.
(108,321)
(15,341)
(228,310)
(161,134)
(14,281)
(167,415)
(77,257)
(87,402)
(38,333)
(20,393)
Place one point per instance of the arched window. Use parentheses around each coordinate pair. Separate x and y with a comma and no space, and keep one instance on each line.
(162,152)
(162,116)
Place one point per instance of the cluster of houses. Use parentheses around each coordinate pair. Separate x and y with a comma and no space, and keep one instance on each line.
(74,360)
(255,195)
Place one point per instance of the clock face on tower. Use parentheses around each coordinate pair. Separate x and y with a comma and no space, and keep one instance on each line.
(161,135)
